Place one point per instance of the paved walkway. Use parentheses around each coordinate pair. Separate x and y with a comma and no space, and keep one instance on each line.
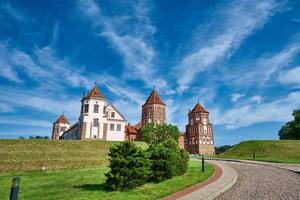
(263,182)
(288,166)
(223,179)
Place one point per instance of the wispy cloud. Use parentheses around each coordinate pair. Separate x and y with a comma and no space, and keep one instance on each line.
(279,110)
(235,23)
(26,122)
(13,12)
(264,68)
(290,77)
(236,96)
(130,35)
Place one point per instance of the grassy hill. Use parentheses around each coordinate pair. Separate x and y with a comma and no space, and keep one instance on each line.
(266,150)
(24,155)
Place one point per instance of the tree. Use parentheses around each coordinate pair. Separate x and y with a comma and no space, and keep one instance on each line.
(291,130)
(157,133)
(167,160)
(129,166)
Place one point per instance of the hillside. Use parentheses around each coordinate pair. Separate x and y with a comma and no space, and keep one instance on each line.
(266,150)
(24,155)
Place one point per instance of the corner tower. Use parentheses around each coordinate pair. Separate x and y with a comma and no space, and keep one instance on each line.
(199,131)
(153,110)
(61,125)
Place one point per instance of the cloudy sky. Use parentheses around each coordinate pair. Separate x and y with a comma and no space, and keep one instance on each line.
(240,59)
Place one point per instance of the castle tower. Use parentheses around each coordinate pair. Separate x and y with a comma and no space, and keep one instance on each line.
(153,110)
(199,132)
(99,119)
(60,126)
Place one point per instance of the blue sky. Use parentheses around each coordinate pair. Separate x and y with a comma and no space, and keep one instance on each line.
(240,59)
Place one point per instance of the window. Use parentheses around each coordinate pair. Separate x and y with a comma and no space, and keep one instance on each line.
(104,110)
(86,108)
(95,136)
(96,122)
(62,129)
(96,108)
(118,127)
(112,114)
(112,127)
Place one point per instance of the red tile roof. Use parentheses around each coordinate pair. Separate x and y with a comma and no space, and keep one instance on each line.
(133,129)
(62,119)
(95,92)
(154,99)
(199,109)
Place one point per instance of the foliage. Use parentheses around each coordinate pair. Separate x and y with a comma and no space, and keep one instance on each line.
(157,133)
(38,137)
(129,167)
(167,160)
(184,161)
(223,148)
(291,130)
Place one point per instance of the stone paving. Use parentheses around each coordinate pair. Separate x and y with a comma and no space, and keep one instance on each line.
(263,182)
(212,190)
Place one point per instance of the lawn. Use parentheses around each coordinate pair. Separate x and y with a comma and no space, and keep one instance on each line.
(25,155)
(285,151)
(89,184)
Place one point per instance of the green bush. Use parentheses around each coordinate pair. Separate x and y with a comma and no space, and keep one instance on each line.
(158,133)
(129,167)
(167,160)
(184,160)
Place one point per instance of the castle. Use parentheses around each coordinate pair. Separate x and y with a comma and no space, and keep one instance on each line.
(100,120)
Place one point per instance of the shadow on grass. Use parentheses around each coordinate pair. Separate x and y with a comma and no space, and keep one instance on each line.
(93,187)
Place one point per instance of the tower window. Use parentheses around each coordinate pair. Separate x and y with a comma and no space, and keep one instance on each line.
(118,127)
(112,114)
(104,109)
(62,129)
(86,108)
(112,127)
(96,123)
(96,108)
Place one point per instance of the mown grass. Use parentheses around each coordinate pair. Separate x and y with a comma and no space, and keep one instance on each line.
(89,184)
(24,155)
(284,151)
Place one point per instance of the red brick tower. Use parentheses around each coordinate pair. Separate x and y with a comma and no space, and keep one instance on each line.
(199,132)
(154,110)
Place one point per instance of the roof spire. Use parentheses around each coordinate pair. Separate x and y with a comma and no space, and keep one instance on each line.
(154,98)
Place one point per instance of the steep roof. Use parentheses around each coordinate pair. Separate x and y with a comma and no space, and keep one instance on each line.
(133,129)
(154,99)
(199,109)
(62,119)
(95,92)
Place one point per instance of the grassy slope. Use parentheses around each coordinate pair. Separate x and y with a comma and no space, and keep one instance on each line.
(89,184)
(24,155)
(266,150)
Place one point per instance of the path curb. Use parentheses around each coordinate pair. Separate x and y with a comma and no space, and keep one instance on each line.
(286,166)
(224,178)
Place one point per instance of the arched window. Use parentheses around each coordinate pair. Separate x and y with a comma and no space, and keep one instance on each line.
(96,122)
(96,108)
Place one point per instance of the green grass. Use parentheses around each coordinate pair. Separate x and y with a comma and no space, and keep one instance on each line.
(89,184)
(287,151)
(25,155)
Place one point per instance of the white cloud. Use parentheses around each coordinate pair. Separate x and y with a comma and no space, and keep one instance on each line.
(265,67)
(236,96)
(279,110)
(13,12)
(235,23)
(290,77)
(131,39)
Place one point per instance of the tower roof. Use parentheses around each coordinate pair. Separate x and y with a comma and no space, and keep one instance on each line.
(199,109)
(154,99)
(95,92)
(62,119)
